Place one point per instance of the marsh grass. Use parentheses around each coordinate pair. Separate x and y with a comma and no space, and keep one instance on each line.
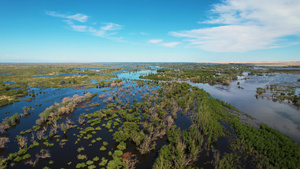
(143,114)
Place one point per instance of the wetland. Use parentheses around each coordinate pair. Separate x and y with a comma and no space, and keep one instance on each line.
(149,115)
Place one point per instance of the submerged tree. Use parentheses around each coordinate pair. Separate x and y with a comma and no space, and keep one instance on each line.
(64,127)
(3,141)
(22,141)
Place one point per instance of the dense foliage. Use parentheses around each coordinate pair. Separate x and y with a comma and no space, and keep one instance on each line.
(202,74)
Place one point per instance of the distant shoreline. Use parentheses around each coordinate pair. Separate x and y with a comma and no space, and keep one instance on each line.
(266,63)
(254,63)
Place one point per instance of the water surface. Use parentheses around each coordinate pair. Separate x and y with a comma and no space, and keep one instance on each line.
(284,116)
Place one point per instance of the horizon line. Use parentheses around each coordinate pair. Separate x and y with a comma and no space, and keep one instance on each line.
(288,61)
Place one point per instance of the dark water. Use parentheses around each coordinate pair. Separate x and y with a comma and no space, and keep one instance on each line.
(281,116)
(284,117)
(61,156)
(43,73)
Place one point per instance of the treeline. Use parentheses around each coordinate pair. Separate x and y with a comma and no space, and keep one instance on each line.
(209,75)
(11,93)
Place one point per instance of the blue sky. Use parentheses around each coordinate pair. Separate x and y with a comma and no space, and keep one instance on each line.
(149,31)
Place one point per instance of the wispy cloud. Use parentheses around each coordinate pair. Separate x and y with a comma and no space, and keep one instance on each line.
(247,25)
(111,27)
(170,44)
(78,17)
(103,31)
(106,30)
(79,28)
(154,41)
(159,42)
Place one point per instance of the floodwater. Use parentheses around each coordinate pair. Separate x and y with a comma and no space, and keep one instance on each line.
(47,97)
(284,117)
(135,75)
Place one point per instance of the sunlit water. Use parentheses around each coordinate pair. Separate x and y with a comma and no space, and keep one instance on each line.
(284,117)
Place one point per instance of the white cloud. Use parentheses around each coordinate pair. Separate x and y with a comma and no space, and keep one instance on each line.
(78,17)
(97,32)
(247,25)
(111,27)
(155,41)
(68,22)
(170,44)
(79,28)
(106,31)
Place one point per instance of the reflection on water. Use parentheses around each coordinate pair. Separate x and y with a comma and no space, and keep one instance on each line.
(135,75)
(281,116)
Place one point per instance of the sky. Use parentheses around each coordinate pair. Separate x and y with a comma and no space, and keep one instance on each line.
(149,30)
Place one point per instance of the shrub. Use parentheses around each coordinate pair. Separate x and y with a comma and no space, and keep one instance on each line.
(92,167)
(81,157)
(116,163)
(122,146)
(3,141)
(105,143)
(26,156)
(18,159)
(90,162)
(81,165)
(117,153)
(96,159)
(28,131)
(103,162)
(80,149)
(102,148)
